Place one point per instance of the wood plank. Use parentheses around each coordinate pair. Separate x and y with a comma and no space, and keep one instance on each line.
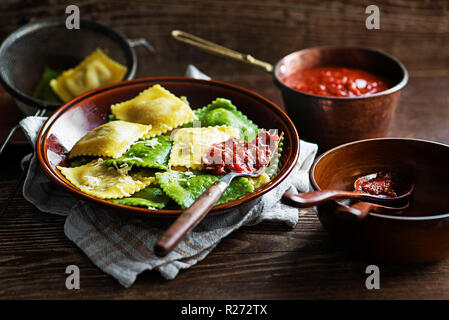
(269,260)
(415,32)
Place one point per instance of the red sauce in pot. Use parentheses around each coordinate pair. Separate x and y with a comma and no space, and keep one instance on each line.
(334,81)
(381,184)
(239,156)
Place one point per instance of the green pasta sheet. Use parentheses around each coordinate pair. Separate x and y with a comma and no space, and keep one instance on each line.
(150,153)
(150,197)
(111,117)
(222,112)
(238,188)
(185,187)
(43,90)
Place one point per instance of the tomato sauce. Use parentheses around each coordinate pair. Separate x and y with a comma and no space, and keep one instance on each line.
(239,156)
(334,81)
(381,184)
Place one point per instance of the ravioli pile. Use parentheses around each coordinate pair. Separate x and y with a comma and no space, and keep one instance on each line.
(149,154)
(94,71)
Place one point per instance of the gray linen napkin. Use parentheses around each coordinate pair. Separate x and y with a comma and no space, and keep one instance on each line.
(122,246)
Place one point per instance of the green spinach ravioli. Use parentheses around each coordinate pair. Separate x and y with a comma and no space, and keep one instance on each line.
(222,112)
(185,187)
(148,153)
(148,159)
(151,197)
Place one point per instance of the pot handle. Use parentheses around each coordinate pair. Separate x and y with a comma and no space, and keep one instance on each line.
(142,42)
(218,49)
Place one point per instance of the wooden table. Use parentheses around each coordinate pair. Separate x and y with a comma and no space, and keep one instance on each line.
(269,260)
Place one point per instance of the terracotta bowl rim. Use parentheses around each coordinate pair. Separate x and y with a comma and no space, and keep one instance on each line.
(400,85)
(284,171)
(379,215)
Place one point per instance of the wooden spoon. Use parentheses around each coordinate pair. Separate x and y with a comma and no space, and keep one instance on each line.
(361,209)
(193,215)
(310,199)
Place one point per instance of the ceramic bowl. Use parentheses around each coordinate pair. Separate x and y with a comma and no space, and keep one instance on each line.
(421,233)
(75,118)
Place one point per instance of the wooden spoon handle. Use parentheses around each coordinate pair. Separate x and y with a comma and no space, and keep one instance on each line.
(360,209)
(189,218)
(310,199)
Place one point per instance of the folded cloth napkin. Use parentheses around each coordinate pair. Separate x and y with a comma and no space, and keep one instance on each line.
(122,246)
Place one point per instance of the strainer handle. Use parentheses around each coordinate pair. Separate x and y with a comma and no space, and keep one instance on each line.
(40,112)
(142,42)
(8,137)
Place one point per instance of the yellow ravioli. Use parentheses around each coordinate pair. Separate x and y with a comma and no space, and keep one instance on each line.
(111,139)
(189,144)
(260,181)
(94,71)
(105,182)
(155,106)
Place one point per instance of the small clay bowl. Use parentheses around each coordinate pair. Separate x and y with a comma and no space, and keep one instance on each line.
(331,121)
(420,233)
(77,117)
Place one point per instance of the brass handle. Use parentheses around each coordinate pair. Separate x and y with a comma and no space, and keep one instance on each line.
(218,49)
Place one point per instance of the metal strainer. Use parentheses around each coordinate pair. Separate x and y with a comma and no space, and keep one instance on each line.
(47,42)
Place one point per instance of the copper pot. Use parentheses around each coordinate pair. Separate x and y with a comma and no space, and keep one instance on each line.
(331,121)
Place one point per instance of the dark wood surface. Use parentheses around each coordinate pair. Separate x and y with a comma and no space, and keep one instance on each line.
(268,260)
